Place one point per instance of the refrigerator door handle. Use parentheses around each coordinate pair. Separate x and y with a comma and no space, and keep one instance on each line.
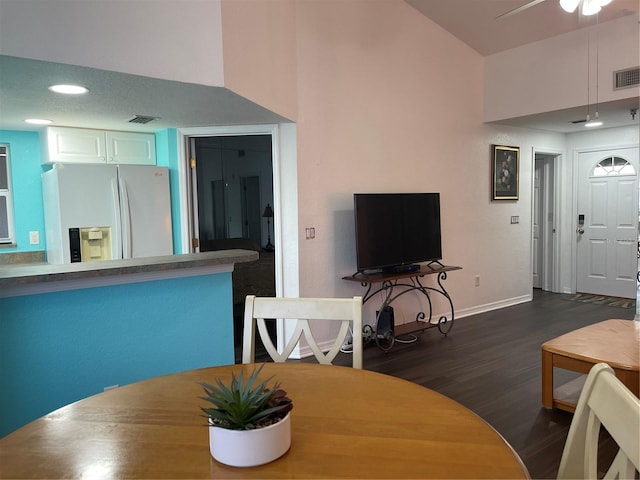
(126,220)
(116,208)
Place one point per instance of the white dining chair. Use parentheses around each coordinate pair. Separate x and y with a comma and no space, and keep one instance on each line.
(605,401)
(346,311)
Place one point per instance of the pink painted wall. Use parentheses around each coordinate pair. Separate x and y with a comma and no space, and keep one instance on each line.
(388,102)
(259,52)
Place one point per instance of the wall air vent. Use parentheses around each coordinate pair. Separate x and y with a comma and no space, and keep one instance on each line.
(629,77)
(142,119)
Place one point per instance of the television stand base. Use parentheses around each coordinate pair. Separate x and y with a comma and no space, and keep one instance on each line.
(392,285)
(401,269)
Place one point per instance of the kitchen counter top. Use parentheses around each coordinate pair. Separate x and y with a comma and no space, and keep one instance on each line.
(26,279)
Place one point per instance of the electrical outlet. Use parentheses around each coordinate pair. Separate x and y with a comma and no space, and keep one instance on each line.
(477,280)
(34,238)
(515,219)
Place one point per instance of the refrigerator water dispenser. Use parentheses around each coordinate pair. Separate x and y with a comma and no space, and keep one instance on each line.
(90,244)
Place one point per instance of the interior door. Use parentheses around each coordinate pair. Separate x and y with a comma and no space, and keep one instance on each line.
(538,225)
(543,221)
(607,222)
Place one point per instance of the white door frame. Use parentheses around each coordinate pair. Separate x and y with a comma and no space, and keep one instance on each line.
(285,193)
(551,240)
(187,227)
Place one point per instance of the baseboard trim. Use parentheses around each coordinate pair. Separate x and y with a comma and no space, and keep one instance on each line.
(488,307)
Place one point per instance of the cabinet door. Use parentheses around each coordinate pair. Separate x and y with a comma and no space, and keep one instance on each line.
(131,148)
(75,145)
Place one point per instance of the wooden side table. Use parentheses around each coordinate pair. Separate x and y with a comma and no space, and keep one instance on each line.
(615,342)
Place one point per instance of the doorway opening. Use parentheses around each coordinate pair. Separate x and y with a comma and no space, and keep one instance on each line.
(232,196)
(545,220)
(233,184)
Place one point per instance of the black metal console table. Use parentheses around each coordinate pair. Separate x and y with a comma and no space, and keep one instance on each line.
(394,285)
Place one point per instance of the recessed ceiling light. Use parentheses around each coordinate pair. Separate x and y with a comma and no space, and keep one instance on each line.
(69,89)
(38,121)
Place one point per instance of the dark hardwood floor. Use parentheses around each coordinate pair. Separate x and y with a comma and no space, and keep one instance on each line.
(491,363)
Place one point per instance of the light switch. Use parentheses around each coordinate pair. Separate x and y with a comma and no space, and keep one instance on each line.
(310,233)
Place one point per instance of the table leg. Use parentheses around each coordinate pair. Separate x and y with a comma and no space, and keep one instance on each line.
(547,379)
(630,379)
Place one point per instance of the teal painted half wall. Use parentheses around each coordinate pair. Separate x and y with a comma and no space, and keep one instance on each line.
(57,348)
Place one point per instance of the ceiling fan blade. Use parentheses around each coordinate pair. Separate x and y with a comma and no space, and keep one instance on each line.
(519,9)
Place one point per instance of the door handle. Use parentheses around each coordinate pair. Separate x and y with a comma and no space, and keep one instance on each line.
(580,230)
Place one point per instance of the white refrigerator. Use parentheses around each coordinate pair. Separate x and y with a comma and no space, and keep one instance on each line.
(101,212)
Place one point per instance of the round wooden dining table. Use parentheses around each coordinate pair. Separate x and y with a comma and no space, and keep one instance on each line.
(346,423)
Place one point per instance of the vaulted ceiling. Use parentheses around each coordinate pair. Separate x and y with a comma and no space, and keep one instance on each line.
(492,26)
(483,25)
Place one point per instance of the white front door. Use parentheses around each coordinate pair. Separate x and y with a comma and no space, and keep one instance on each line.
(607,222)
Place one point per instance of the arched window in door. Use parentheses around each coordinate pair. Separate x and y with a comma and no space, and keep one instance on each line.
(613,166)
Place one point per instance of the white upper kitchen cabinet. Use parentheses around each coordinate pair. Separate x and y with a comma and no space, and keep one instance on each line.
(84,145)
(74,145)
(131,148)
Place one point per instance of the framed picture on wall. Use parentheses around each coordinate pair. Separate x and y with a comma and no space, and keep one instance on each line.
(505,172)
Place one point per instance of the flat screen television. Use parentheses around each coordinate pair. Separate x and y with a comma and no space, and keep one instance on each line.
(396,231)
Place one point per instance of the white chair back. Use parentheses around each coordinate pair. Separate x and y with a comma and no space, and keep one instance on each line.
(344,310)
(605,401)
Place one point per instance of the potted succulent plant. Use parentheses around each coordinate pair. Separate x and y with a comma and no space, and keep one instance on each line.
(249,423)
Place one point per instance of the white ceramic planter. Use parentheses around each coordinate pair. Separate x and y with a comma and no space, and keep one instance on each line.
(248,448)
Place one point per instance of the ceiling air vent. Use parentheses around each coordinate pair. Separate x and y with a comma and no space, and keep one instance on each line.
(629,77)
(142,119)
